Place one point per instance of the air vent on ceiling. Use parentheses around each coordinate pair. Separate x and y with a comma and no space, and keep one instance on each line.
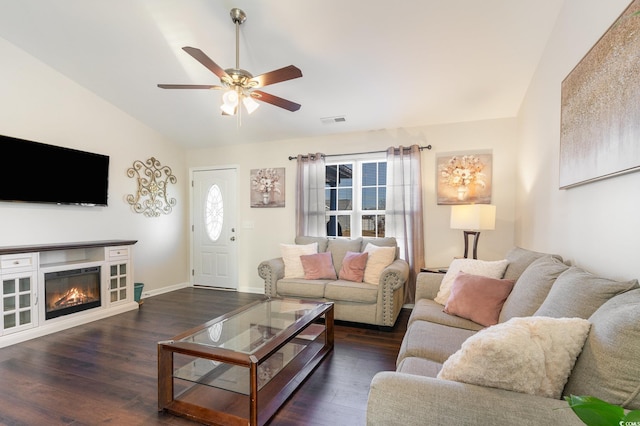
(333,120)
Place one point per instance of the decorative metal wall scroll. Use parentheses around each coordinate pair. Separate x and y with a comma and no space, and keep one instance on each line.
(151,198)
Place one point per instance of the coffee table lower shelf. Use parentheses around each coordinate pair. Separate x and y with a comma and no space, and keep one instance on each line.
(215,406)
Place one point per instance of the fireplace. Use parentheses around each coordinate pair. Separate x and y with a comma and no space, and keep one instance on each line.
(71,291)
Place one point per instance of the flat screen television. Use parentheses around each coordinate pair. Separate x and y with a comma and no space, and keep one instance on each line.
(41,173)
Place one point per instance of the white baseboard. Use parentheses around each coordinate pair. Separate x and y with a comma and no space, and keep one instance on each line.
(63,323)
(151,293)
(163,290)
(256,290)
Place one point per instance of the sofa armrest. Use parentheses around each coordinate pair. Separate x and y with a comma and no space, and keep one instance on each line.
(407,399)
(271,271)
(427,285)
(391,292)
(395,275)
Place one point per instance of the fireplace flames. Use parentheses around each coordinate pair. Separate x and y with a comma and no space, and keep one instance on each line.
(72,297)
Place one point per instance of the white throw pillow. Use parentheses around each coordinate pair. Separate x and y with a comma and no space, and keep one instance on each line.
(291,256)
(484,268)
(532,355)
(379,258)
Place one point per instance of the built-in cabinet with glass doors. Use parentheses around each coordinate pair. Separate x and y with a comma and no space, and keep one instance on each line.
(119,275)
(18,304)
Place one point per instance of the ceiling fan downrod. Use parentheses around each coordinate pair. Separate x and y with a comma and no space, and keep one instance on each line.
(238,78)
(238,17)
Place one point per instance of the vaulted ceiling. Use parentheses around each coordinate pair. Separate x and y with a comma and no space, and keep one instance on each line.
(378,64)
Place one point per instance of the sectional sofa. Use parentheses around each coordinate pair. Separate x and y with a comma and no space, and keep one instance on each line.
(376,298)
(561,331)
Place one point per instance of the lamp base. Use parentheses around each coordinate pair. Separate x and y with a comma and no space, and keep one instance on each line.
(476,237)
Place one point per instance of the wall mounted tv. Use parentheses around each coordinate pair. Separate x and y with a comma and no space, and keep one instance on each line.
(40,173)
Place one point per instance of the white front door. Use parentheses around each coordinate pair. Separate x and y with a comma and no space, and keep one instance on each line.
(214,254)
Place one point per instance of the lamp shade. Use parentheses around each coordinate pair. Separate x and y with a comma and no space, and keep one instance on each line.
(473,217)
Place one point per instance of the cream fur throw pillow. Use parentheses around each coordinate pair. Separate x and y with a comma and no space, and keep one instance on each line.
(379,258)
(484,268)
(291,257)
(532,355)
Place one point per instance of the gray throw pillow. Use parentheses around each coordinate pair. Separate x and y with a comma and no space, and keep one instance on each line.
(532,288)
(579,293)
(609,366)
(323,242)
(519,259)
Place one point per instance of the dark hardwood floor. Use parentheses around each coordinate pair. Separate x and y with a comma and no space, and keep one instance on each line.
(106,371)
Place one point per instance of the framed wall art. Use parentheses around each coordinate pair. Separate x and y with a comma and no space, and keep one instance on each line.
(600,107)
(464,177)
(267,187)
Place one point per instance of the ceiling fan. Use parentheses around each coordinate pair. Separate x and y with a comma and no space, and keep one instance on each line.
(238,83)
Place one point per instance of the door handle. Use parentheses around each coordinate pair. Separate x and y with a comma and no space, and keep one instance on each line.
(232,238)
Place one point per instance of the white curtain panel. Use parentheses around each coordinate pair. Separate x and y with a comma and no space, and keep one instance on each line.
(403,215)
(310,207)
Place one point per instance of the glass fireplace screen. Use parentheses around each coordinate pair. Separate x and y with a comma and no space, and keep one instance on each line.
(71,291)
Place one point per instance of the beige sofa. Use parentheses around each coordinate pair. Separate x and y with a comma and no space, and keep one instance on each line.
(608,366)
(377,304)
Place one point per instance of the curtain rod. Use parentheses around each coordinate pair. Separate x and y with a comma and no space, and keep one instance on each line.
(361,153)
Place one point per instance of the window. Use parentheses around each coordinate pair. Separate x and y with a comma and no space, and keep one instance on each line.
(355,198)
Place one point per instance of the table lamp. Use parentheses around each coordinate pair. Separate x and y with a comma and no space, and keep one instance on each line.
(473,218)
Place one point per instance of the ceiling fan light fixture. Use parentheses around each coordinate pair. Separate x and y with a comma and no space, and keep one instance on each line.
(229,102)
(230,98)
(228,110)
(250,104)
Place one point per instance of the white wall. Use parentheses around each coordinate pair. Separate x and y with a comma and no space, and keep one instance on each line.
(262,229)
(594,225)
(38,103)
(42,105)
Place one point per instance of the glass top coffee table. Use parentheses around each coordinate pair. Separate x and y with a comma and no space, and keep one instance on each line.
(240,368)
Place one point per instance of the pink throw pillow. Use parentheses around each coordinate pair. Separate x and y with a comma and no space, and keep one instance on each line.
(478,298)
(353,266)
(318,266)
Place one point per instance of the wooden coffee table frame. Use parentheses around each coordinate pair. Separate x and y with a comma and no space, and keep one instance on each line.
(263,403)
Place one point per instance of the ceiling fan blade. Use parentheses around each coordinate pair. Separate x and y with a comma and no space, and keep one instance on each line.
(274,100)
(190,86)
(200,56)
(276,76)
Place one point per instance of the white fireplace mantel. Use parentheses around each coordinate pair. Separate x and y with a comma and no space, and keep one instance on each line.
(22,270)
